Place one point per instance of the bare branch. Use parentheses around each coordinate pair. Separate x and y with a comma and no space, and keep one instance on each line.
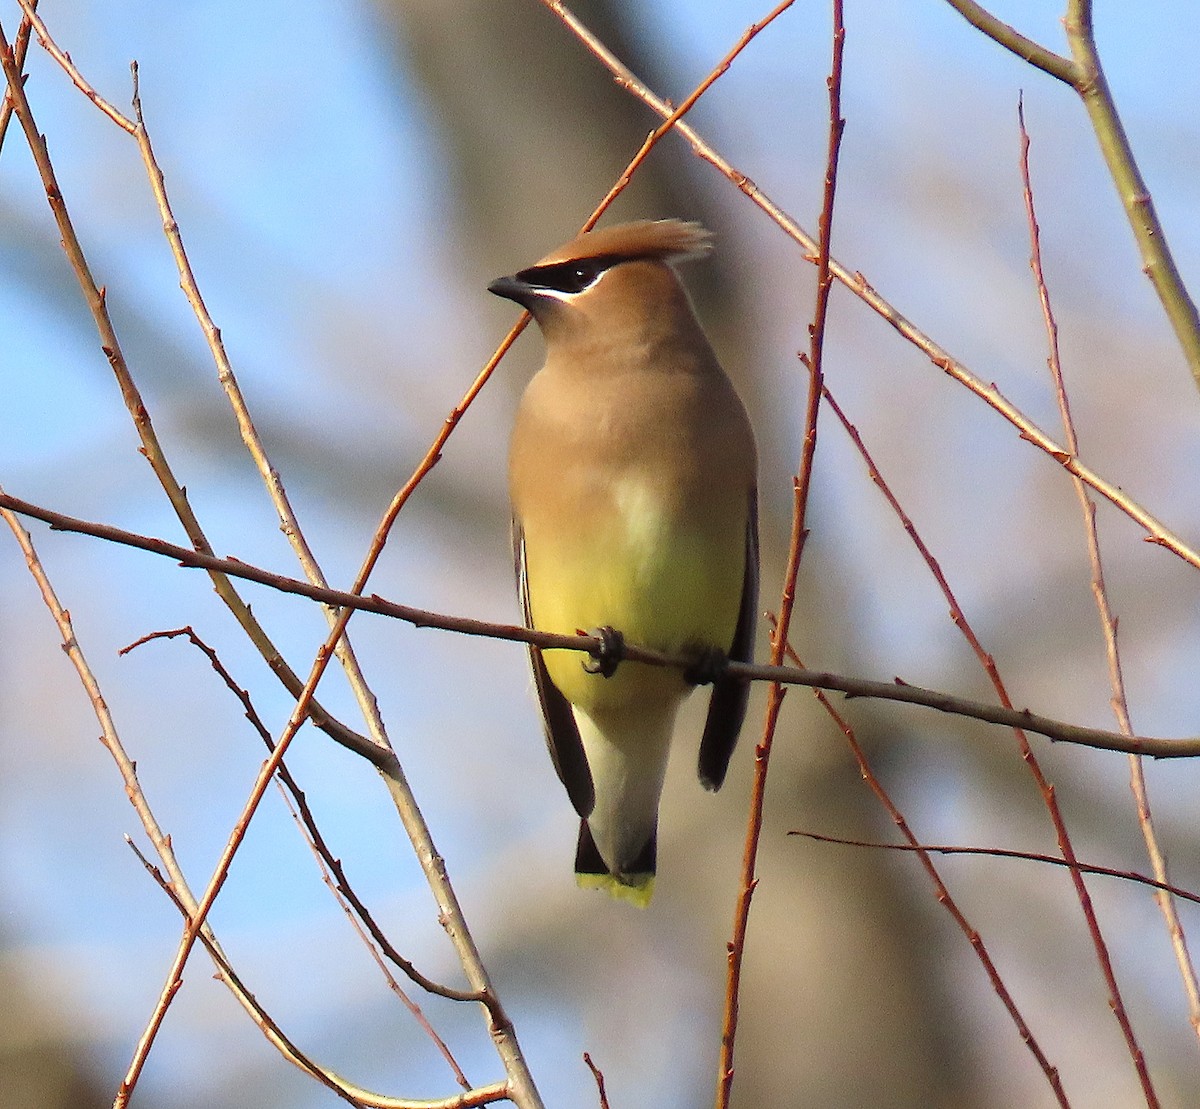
(1005,853)
(151,447)
(896,690)
(333,870)
(1158,263)
(1085,74)
(942,893)
(1011,39)
(813,361)
(160,840)
(20,50)
(1157,532)
(1108,622)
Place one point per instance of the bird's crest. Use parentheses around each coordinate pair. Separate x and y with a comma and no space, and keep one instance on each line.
(668,240)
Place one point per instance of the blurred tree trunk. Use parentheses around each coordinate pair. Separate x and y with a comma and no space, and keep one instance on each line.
(40,1067)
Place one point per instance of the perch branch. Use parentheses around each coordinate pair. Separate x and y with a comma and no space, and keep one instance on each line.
(895,690)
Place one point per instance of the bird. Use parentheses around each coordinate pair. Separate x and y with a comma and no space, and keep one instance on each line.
(633,476)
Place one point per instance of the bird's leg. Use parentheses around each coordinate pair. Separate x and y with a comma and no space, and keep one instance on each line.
(607,654)
(707,665)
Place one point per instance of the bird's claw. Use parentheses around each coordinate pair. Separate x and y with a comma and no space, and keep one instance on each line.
(707,666)
(607,654)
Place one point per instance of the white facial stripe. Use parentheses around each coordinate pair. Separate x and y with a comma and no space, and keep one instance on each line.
(548,293)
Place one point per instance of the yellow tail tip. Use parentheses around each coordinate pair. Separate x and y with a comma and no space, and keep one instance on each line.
(637,889)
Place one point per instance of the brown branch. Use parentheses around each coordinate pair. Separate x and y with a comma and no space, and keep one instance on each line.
(64,59)
(598,1075)
(988,665)
(273,482)
(813,361)
(1006,853)
(355,1095)
(1108,627)
(1157,532)
(96,299)
(520,1085)
(1010,38)
(1085,74)
(20,50)
(298,801)
(1158,263)
(895,690)
(1045,789)
(942,894)
(133,791)
(265,1021)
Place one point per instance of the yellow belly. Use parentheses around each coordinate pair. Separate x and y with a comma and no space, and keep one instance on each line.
(638,569)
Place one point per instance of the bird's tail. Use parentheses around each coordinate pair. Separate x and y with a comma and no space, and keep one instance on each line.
(591,872)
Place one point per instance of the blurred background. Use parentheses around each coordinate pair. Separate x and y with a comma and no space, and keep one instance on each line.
(348,177)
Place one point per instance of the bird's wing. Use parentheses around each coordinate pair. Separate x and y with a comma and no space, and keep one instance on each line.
(562,733)
(727,708)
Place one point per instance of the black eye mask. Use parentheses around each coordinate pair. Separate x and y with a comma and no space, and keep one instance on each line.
(569,277)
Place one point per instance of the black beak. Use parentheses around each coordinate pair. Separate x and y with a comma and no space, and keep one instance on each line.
(513,288)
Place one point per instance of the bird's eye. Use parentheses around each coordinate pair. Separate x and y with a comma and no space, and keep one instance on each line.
(581,277)
(567,277)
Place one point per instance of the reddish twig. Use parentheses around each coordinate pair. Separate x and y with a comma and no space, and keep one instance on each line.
(598,1075)
(988,664)
(332,871)
(1156,531)
(19,51)
(261,1016)
(940,890)
(1108,627)
(762,752)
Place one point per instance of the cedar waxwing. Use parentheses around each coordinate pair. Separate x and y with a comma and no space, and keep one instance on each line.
(633,478)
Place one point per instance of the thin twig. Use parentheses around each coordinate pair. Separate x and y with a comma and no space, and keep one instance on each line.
(289,524)
(1085,74)
(1157,532)
(1108,622)
(1006,853)
(1026,1035)
(598,1075)
(813,361)
(481,1095)
(160,840)
(942,892)
(96,299)
(895,690)
(1100,946)
(332,871)
(1011,39)
(20,50)
(264,1020)
(64,59)
(1045,788)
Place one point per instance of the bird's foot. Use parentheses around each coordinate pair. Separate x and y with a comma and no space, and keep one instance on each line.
(607,654)
(707,666)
